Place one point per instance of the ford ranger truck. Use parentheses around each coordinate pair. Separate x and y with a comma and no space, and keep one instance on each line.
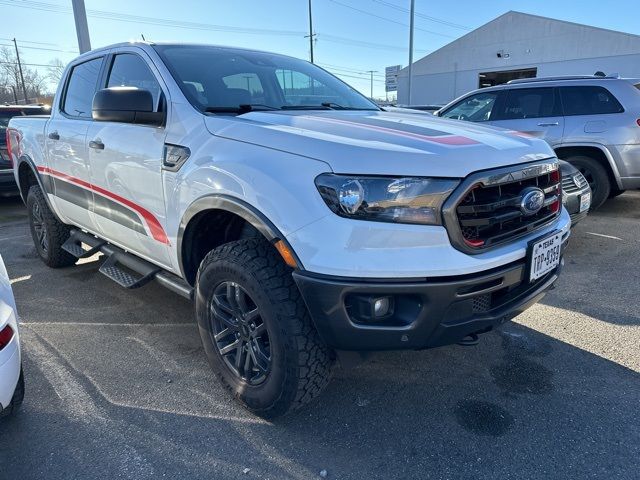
(305,222)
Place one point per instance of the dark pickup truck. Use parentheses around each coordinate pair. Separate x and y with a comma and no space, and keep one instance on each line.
(7,112)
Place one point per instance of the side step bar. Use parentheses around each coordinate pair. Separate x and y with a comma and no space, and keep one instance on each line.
(126,269)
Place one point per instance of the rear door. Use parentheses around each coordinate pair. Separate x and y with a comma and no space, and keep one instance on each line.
(126,165)
(588,113)
(535,111)
(65,144)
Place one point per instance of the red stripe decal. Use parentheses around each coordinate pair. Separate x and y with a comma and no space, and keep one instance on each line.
(445,139)
(155,228)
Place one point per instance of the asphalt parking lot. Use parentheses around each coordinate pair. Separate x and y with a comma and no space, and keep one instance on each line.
(118,385)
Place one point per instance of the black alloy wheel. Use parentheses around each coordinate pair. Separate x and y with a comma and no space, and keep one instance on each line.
(39,228)
(239,333)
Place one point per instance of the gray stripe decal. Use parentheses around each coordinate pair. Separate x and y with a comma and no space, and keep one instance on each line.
(103,206)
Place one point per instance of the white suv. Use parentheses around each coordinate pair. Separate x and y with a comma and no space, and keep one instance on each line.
(591,122)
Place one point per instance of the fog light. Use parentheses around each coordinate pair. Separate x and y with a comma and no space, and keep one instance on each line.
(381,307)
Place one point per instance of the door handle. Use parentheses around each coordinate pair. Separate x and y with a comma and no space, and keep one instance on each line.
(551,124)
(54,136)
(96,145)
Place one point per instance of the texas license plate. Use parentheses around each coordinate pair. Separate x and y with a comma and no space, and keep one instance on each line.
(585,201)
(544,256)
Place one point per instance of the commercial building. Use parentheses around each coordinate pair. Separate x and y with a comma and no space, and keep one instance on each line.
(518,45)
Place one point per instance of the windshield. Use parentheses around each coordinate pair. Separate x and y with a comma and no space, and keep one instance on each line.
(218,79)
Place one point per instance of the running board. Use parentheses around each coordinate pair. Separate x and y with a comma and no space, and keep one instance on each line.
(73,245)
(126,269)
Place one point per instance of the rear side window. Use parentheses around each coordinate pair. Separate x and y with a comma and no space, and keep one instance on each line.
(129,70)
(524,103)
(589,100)
(81,88)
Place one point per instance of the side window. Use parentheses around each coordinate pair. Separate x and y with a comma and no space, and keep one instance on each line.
(523,103)
(129,70)
(476,108)
(588,100)
(81,88)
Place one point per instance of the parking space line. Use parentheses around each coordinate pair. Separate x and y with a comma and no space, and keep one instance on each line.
(106,324)
(603,235)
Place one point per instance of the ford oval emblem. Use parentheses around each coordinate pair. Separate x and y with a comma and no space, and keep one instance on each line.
(532,200)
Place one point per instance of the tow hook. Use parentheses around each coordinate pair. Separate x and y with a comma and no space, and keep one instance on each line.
(469,340)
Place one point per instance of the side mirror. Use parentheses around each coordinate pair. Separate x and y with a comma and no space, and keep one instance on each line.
(125,105)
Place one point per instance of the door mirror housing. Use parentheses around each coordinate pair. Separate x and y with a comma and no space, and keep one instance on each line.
(125,105)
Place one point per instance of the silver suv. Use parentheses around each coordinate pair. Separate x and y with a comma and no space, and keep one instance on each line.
(591,122)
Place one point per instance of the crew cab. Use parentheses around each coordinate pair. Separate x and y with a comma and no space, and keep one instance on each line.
(304,222)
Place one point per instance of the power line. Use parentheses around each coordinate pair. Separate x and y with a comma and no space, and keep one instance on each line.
(389,19)
(41,48)
(345,69)
(361,43)
(27,64)
(105,15)
(423,16)
(191,25)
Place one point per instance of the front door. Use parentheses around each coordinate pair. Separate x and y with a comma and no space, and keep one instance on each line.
(126,169)
(535,111)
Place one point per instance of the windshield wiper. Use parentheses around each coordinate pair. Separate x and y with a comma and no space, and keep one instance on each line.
(305,107)
(240,109)
(337,106)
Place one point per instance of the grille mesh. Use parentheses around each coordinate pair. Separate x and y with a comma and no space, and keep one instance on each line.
(491,214)
(569,185)
(481,303)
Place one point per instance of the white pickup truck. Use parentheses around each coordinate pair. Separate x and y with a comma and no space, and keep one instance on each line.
(305,222)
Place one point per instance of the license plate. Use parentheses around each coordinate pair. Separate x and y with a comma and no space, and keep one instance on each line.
(545,256)
(585,201)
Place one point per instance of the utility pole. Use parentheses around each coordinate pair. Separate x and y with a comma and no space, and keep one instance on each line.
(410,72)
(24,89)
(311,34)
(82,28)
(371,72)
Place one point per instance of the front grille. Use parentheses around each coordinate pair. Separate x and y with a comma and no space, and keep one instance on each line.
(489,211)
(569,183)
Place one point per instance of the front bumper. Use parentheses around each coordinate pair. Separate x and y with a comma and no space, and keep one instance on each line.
(571,202)
(427,313)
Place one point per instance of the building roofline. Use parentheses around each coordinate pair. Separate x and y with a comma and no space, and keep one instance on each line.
(516,12)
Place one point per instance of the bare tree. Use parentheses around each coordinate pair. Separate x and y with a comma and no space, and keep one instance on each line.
(55,70)
(10,81)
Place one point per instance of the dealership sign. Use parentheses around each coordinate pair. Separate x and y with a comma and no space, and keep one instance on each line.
(391,78)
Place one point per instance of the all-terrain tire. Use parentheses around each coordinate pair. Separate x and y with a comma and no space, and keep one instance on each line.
(47,231)
(300,363)
(597,177)
(16,400)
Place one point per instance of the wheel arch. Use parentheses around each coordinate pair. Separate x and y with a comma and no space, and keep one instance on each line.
(594,150)
(28,176)
(223,219)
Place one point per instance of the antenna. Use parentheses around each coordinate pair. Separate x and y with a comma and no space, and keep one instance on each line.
(143,39)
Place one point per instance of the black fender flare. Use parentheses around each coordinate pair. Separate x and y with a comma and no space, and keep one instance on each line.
(45,184)
(238,207)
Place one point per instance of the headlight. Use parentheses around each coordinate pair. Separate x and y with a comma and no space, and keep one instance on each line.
(386,199)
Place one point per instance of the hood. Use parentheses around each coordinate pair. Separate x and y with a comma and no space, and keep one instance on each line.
(383,143)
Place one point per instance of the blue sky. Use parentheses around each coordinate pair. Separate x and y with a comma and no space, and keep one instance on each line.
(353,36)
